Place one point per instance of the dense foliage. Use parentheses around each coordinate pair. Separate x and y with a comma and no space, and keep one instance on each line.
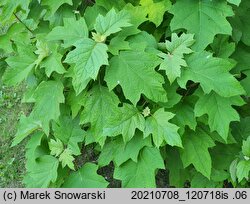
(147,85)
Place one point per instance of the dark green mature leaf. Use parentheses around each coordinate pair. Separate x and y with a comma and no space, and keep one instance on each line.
(184,114)
(217,179)
(218,107)
(53,63)
(142,173)
(214,74)
(222,47)
(9,7)
(119,4)
(195,151)
(54,5)
(162,130)
(119,152)
(246,147)
(86,177)
(203,18)
(48,96)
(223,155)
(136,77)
(20,65)
(125,122)
(99,106)
(26,126)
(43,171)
(86,60)
(70,32)
(112,22)
(177,174)
(242,15)
(70,133)
(14,32)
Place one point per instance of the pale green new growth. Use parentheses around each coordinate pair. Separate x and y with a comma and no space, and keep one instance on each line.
(174,59)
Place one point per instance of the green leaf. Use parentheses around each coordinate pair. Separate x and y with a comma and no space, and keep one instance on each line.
(48,96)
(243,25)
(86,177)
(131,85)
(43,172)
(233,169)
(14,32)
(217,179)
(125,122)
(21,65)
(34,150)
(223,155)
(203,18)
(99,106)
(223,47)
(56,147)
(54,5)
(155,10)
(67,159)
(173,96)
(70,133)
(180,45)
(174,59)
(119,152)
(242,56)
(184,114)
(138,15)
(246,147)
(126,70)
(118,43)
(9,7)
(86,59)
(26,126)
(241,129)
(236,2)
(108,5)
(161,129)
(53,63)
(217,107)
(195,151)
(214,75)
(143,41)
(42,51)
(243,169)
(70,32)
(142,173)
(112,22)
(172,65)
(177,174)
(76,102)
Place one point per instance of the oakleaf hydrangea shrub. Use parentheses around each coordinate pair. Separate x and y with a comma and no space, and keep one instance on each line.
(137,87)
